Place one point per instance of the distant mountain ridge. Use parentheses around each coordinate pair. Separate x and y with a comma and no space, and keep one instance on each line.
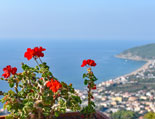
(145,52)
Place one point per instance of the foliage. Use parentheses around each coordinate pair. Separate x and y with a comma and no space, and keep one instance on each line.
(146,51)
(124,114)
(149,115)
(37,93)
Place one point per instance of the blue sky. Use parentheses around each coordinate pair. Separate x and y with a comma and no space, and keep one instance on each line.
(68,19)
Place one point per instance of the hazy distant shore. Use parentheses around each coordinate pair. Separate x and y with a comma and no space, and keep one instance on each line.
(136,58)
(130,57)
(144,67)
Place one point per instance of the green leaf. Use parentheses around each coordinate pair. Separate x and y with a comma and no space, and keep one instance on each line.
(56,113)
(85,81)
(25,67)
(84,75)
(11,84)
(62,110)
(92,103)
(36,67)
(11,92)
(46,113)
(94,78)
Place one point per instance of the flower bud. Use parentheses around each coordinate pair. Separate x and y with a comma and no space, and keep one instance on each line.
(92,97)
(54,96)
(58,94)
(89,70)
(94,88)
(31,91)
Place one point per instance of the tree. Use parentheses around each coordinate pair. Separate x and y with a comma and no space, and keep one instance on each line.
(149,115)
(124,114)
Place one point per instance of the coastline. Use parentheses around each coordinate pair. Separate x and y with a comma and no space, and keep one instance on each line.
(123,78)
(144,67)
(135,58)
(130,57)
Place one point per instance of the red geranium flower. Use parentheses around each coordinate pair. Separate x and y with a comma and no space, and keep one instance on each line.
(8,71)
(88,62)
(14,70)
(7,68)
(6,74)
(54,85)
(29,54)
(36,52)
(84,63)
(91,62)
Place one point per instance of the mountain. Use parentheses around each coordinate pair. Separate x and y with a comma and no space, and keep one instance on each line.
(145,52)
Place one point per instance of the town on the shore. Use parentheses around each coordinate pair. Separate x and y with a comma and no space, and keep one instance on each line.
(140,100)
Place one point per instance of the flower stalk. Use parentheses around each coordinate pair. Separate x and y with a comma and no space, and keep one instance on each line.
(90,82)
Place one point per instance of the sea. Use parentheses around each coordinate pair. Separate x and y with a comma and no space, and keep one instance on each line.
(65,56)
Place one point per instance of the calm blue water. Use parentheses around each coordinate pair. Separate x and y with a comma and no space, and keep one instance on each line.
(65,57)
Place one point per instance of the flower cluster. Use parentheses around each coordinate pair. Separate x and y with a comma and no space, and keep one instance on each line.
(88,62)
(34,53)
(54,85)
(8,70)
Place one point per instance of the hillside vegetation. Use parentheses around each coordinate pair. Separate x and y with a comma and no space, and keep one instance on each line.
(145,52)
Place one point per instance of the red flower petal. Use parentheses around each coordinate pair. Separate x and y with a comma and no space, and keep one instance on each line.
(8,71)
(84,63)
(8,68)
(29,53)
(48,84)
(6,74)
(88,62)
(14,70)
(38,51)
(54,85)
(41,49)
(91,62)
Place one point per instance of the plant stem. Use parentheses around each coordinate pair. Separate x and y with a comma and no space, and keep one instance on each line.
(39,115)
(40,60)
(89,95)
(16,88)
(52,110)
(36,62)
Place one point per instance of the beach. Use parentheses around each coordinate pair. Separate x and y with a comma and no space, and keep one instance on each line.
(123,78)
(144,67)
